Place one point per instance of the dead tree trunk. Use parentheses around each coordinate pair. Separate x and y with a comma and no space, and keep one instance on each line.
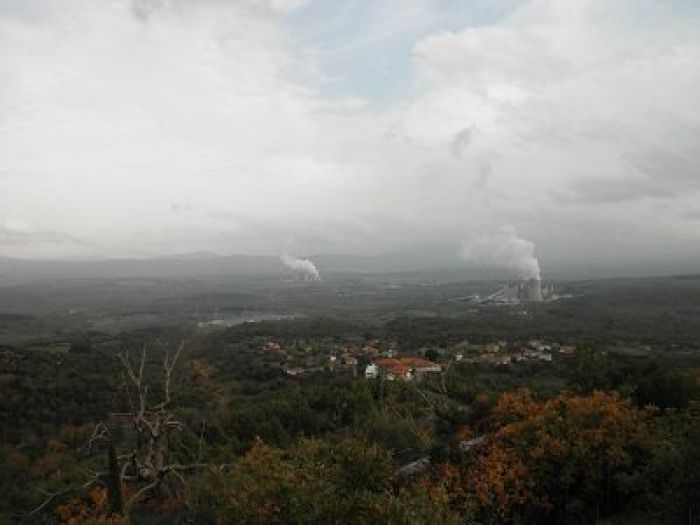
(114,482)
(147,465)
(148,462)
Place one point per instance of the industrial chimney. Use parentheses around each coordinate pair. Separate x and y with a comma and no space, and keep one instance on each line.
(535,290)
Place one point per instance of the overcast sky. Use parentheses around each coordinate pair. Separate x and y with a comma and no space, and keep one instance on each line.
(152,127)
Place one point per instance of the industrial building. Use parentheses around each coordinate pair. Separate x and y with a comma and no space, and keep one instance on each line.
(515,292)
(531,290)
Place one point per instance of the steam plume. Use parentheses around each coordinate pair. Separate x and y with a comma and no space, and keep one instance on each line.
(503,249)
(302,266)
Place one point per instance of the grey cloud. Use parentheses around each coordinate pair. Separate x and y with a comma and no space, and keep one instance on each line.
(143,9)
(213,102)
(610,190)
(177,207)
(674,170)
(691,214)
(461,141)
(654,173)
(484,170)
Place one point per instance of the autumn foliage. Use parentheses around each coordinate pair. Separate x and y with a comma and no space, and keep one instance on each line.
(90,508)
(545,459)
(317,482)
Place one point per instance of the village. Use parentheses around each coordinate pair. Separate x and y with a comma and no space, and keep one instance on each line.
(376,359)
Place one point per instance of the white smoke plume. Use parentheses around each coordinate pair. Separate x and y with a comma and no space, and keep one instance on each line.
(303,266)
(503,249)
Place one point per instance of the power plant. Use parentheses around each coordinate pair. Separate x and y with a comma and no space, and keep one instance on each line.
(531,290)
(504,249)
(516,292)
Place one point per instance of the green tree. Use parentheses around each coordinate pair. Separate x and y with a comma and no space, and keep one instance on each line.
(590,369)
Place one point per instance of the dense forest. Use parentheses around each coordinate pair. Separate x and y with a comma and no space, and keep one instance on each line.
(161,426)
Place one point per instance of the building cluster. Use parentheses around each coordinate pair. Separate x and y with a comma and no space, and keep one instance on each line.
(403,368)
(503,353)
(380,359)
(383,359)
(299,358)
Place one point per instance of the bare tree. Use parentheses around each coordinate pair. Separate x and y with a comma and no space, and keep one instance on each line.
(147,464)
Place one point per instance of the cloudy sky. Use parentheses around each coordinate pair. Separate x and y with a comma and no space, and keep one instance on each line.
(147,127)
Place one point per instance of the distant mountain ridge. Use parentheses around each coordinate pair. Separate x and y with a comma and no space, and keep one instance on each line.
(186,265)
(431,259)
(210,263)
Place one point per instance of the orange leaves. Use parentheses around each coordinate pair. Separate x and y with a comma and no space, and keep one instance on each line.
(537,452)
(539,449)
(16,462)
(464,433)
(89,509)
(202,371)
(498,480)
(313,481)
(426,434)
(434,492)
(98,497)
(46,464)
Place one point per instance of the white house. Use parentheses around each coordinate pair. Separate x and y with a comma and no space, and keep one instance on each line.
(372,371)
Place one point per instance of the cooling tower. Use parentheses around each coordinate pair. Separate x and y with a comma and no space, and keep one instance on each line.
(534,290)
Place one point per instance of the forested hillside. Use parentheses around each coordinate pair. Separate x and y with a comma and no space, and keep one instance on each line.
(222,427)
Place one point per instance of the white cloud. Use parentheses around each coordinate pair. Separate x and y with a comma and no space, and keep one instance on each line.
(589,99)
(115,114)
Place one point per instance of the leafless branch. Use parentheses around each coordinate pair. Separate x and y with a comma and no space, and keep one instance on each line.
(99,433)
(141,492)
(146,465)
(64,493)
(168,366)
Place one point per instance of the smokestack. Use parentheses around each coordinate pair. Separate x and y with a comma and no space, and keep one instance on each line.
(535,290)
